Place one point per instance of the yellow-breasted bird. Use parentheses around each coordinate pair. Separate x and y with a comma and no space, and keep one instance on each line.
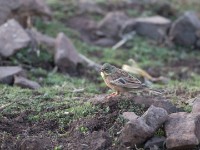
(121,81)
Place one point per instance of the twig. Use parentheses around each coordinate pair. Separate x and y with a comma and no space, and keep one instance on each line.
(89,62)
(124,39)
(78,90)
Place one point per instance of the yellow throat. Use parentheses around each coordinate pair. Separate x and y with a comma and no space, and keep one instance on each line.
(103,75)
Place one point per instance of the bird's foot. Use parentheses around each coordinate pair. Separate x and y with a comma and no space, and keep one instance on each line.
(112,95)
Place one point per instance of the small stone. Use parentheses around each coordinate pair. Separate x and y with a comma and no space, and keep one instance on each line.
(7,74)
(25,83)
(91,7)
(104,42)
(182,130)
(155,117)
(129,116)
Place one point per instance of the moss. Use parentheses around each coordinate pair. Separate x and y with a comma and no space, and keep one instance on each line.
(52,101)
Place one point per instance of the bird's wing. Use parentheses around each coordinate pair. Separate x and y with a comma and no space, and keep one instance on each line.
(127,82)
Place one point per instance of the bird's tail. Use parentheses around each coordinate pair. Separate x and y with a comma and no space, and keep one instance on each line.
(153,91)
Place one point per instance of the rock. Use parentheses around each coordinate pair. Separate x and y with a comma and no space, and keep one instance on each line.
(154,27)
(111,24)
(100,140)
(139,130)
(182,130)
(66,57)
(129,116)
(156,101)
(196,105)
(163,8)
(198,43)
(7,74)
(145,101)
(155,141)
(88,26)
(25,83)
(41,39)
(34,7)
(6,8)
(104,42)
(21,9)
(12,38)
(183,30)
(155,117)
(91,7)
(167,105)
(36,143)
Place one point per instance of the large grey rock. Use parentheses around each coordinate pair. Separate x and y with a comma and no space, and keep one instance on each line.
(66,57)
(6,7)
(111,24)
(12,38)
(7,74)
(154,27)
(182,130)
(25,83)
(183,30)
(21,9)
(139,130)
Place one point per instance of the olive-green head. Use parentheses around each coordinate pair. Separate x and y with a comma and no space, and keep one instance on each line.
(108,69)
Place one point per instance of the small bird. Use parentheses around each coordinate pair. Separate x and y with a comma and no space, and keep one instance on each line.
(120,80)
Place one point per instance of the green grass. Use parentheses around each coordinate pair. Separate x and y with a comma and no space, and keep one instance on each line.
(184,5)
(56,99)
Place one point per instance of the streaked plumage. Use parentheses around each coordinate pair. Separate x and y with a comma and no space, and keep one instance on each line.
(119,80)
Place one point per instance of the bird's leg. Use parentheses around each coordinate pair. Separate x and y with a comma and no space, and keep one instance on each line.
(113,94)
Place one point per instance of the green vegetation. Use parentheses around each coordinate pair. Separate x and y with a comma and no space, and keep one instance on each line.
(60,99)
(56,100)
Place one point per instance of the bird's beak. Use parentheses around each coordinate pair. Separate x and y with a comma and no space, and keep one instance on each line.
(100,70)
